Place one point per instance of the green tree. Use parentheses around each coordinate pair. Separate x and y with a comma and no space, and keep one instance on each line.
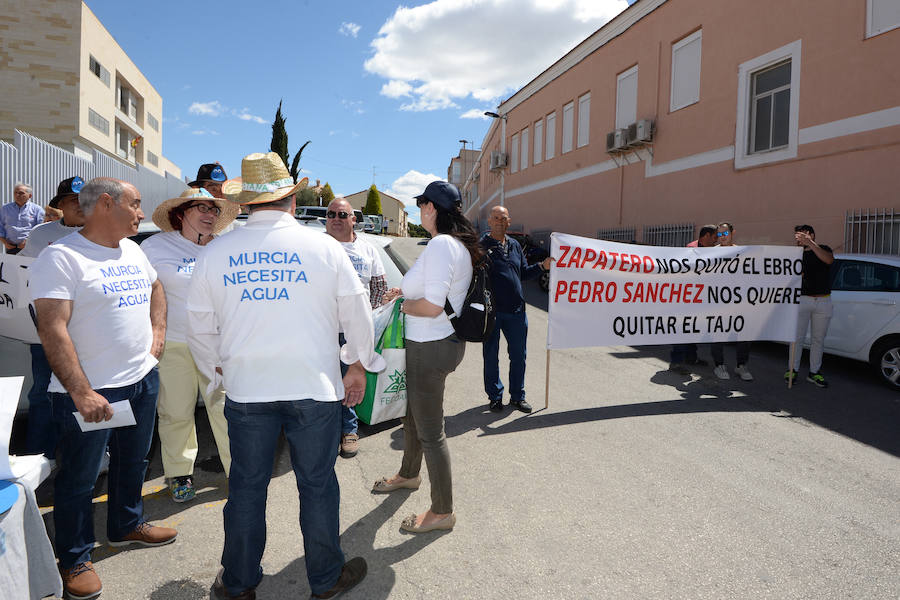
(279,144)
(416,230)
(307,197)
(327,194)
(373,202)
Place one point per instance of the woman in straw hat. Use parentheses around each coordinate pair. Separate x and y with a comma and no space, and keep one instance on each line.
(188,223)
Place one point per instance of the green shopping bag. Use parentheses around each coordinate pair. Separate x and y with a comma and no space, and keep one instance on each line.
(385,397)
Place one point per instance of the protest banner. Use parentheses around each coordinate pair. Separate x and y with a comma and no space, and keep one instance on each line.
(609,294)
(16,311)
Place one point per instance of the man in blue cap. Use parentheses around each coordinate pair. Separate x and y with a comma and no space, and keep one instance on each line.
(210,177)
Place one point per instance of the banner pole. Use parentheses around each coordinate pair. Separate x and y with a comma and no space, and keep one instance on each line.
(547,382)
(791,365)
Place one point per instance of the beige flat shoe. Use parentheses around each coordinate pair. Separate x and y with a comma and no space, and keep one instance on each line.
(445,524)
(382,486)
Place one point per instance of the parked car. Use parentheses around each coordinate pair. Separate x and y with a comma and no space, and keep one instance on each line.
(865,293)
(369,224)
(533,254)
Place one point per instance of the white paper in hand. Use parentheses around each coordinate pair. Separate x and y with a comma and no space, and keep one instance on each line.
(122,417)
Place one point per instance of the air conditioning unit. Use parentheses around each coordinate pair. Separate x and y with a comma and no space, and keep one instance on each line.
(616,140)
(498,160)
(640,133)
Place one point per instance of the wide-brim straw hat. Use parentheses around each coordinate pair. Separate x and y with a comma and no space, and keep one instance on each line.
(264,178)
(227,210)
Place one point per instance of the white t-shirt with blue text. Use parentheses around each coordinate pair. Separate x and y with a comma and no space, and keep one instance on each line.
(110,293)
(173,256)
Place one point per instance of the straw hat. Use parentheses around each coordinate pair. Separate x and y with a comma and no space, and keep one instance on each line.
(228,210)
(264,178)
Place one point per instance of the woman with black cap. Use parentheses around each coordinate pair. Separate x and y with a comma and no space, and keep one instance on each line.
(433,351)
(188,223)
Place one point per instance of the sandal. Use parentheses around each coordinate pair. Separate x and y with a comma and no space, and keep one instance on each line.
(382,486)
(445,524)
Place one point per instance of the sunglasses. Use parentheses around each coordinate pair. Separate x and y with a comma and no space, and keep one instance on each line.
(205,208)
(337,215)
(723,234)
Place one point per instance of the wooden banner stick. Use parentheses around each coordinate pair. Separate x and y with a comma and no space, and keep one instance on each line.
(791,365)
(547,382)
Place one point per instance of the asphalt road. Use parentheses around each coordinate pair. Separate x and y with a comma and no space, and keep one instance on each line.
(634,483)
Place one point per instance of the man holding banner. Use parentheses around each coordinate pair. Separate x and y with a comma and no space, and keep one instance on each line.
(508,269)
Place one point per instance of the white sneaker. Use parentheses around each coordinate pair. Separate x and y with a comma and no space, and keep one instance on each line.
(721,372)
(744,372)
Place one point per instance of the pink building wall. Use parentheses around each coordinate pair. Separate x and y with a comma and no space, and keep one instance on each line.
(844,78)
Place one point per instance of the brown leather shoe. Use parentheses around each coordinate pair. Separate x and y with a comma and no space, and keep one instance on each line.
(146,534)
(81,582)
(353,572)
(221,592)
(349,445)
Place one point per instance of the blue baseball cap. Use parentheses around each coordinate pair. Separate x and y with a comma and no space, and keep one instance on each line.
(209,172)
(67,187)
(443,195)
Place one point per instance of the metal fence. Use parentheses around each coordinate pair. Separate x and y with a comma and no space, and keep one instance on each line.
(676,235)
(617,234)
(872,231)
(42,165)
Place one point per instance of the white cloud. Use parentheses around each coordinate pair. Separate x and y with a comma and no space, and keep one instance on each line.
(217,109)
(422,54)
(475,113)
(204,132)
(350,29)
(210,109)
(353,105)
(409,185)
(245,115)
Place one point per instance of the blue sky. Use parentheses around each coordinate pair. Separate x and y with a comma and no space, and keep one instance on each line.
(372,83)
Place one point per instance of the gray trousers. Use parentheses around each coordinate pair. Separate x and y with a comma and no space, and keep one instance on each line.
(427,367)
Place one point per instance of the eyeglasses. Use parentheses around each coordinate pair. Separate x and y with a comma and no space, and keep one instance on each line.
(337,215)
(723,234)
(205,208)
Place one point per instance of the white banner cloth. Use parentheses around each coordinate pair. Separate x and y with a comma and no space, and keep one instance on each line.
(16,310)
(610,294)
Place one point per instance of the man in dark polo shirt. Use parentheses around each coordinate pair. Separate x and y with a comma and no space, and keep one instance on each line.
(815,303)
(508,269)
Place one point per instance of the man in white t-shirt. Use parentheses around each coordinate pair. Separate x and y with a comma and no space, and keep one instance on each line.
(339,222)
(101,317)
(265,305)
(41,433)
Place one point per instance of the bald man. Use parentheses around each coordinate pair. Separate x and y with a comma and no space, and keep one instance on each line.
(508,269)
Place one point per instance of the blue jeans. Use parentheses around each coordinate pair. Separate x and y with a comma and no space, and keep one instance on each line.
(80,454)
(41,433)
(349,421)
(312,430)
(515,329)
(684,353)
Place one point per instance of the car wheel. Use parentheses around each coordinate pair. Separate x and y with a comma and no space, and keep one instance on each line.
(886,359)
(545,281)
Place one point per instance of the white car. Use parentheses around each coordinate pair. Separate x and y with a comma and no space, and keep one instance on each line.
(865,293)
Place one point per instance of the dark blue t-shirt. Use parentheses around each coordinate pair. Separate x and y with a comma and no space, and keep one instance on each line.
(508,269)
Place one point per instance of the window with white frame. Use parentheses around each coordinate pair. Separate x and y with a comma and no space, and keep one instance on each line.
(523,155)
(550,144)
(584,120)
(97,69)
(768,106)
(514,153)
(626,97)
(538,141)
(568,123)
(881,16)
(686,55)
(98,122)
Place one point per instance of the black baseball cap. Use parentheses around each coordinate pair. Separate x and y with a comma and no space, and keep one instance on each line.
(442,194)
(209,172)
(66,187)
